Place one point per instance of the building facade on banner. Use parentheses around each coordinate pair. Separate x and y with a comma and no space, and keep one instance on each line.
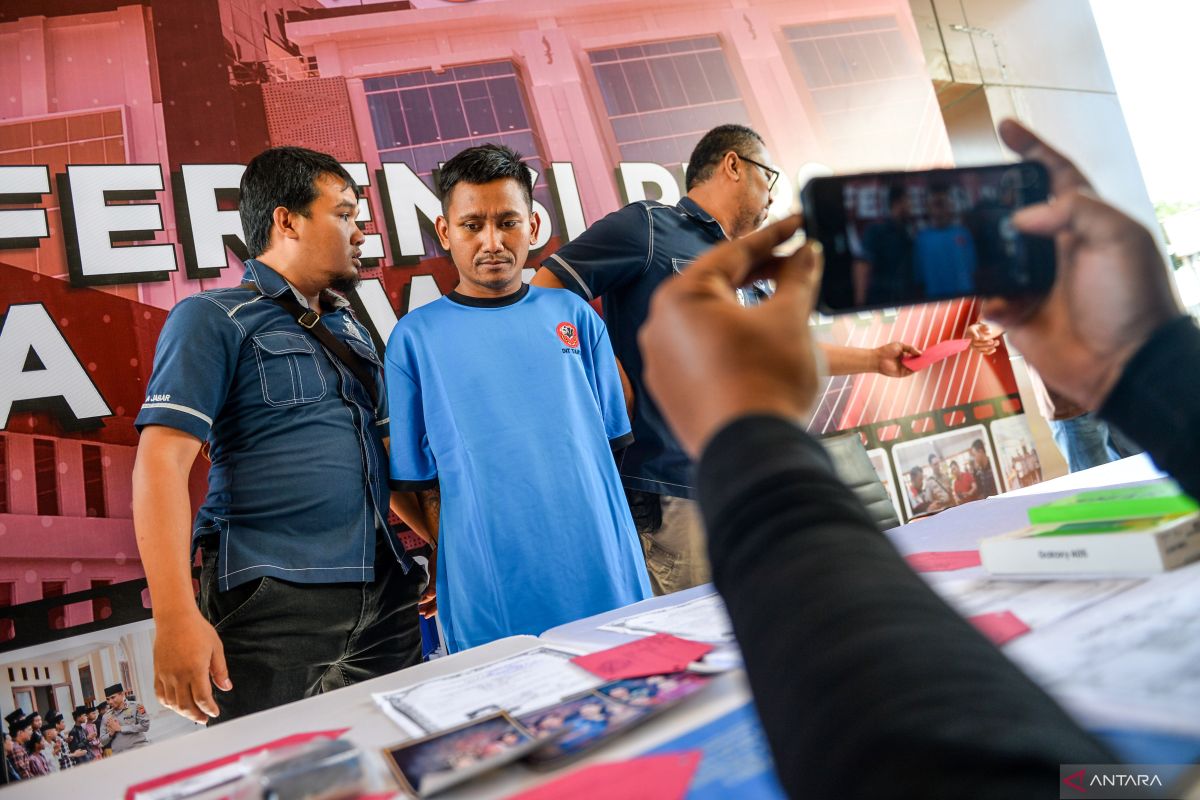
(124,128)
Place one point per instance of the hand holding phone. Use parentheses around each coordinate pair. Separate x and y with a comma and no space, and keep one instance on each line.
(902,238)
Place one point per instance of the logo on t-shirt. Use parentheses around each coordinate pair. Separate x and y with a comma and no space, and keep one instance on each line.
(568,333)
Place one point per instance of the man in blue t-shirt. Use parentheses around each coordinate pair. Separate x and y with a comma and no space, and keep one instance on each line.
(944,252)
(506,409)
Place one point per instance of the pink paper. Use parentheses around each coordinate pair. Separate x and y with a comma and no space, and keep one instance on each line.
(943,562)
(664,777)
(654,655)
(999,626)
(936,353)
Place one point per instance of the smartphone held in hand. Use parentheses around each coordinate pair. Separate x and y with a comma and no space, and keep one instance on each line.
(901,238)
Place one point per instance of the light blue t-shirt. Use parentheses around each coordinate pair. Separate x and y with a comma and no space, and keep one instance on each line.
(513,407)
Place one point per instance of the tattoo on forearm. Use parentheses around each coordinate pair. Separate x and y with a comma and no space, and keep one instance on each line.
(431,506)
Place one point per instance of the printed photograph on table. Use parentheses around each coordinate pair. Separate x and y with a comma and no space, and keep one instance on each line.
(435,763)
(1017,459)
(655,690)
(579,725)
(945,470)
(883,470)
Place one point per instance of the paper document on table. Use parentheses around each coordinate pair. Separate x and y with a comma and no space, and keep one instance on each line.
(1138,652)
(1036,603)
(518,684)
(701,620)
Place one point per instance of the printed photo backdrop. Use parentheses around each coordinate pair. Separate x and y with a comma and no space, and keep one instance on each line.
(124,128)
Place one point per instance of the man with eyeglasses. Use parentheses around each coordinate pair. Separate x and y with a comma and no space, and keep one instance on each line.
(623,258)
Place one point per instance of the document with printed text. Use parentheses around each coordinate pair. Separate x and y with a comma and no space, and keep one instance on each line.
(518,684)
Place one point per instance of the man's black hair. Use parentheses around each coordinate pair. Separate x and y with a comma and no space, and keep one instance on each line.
(978,445)
(916,472)
(713,146)
(895,194)
(281,176)
(483,164)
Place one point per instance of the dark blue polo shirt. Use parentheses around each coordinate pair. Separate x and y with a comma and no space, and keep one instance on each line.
(298,484)
(622,259)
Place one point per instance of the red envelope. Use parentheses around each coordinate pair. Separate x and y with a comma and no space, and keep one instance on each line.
(943,562)
(999,626)
(936,353)
(655,655)
(664,777)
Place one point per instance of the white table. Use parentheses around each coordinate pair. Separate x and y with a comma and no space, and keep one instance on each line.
(955,529)
(353,707)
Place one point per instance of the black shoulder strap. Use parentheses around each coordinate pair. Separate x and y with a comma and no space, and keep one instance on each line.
(310,321)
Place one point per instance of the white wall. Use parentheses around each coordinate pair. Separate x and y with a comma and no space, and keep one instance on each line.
(1042,62)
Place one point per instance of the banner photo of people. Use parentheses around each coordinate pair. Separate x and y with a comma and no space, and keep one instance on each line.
(125,127)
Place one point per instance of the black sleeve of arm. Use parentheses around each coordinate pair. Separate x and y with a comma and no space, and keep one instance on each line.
(610,253)
(413,486)
(621,442)
(867,683)
(1157,401)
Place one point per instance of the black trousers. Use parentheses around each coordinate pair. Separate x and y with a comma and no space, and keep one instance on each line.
(286,641)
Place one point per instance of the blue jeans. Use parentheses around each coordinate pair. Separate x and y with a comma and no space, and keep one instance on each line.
(1084,442)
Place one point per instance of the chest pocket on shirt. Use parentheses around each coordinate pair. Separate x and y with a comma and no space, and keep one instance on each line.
(288,368)
(680,264)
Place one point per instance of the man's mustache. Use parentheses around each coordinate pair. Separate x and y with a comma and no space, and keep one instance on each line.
(499,259)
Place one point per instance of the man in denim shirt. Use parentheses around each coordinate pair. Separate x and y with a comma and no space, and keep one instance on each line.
(304,588)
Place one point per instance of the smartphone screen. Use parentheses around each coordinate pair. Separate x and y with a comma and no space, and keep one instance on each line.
(902,238)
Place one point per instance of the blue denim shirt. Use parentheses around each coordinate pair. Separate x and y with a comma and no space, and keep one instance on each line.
(623,258)
(298,484)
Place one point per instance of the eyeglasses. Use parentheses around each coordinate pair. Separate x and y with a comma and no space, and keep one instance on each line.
(772,174)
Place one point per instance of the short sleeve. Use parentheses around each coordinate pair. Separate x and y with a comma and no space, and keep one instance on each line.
(606,381)
(412,466)
(610,253)
(194,364)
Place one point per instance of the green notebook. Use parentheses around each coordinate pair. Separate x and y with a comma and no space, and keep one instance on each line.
(1158,499)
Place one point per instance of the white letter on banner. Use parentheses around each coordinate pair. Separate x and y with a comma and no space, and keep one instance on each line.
(636,174)
(422,290)
(211,226)
(373,246)
(407,195)
(547,227)
(28,327)
(380,314)
(97,225)
(23,227)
